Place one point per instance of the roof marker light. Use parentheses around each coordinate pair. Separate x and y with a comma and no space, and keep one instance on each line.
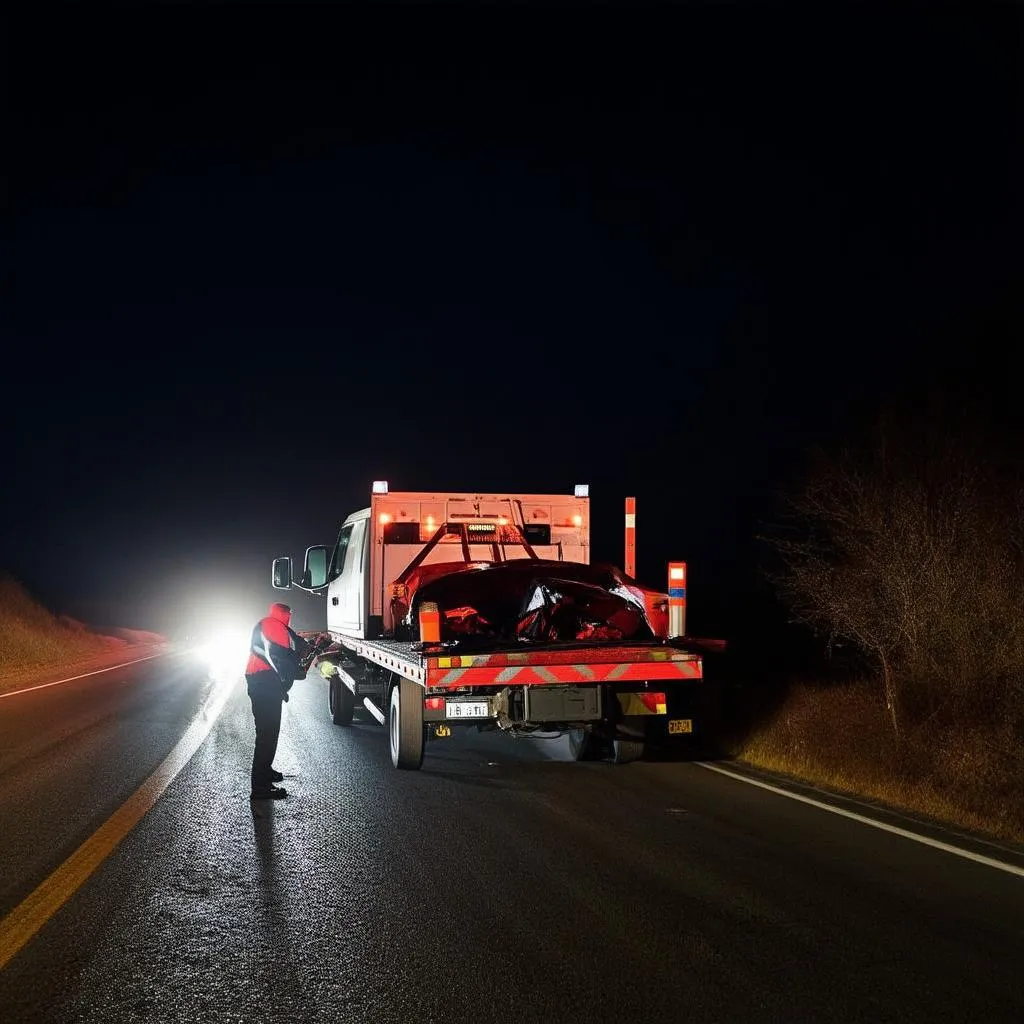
(582,491)
(380,487)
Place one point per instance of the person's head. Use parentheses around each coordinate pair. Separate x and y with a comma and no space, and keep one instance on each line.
(281,612)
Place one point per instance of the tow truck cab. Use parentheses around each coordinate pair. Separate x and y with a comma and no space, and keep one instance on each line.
(404,538)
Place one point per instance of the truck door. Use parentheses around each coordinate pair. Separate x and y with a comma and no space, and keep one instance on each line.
(336,585)
(354,574)
(345,592)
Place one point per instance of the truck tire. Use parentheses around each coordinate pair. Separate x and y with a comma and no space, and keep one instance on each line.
(342,702)
(583,745)
(406,731)
(624,751)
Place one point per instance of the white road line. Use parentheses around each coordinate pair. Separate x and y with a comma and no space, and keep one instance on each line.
(991,862)
(109,668)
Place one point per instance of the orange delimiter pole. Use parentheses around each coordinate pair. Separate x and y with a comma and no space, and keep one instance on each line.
(630,565)
(676,599)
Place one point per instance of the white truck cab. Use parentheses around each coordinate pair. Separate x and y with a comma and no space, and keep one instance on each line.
(377,545)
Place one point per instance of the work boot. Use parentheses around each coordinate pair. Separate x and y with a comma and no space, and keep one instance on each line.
(276,776)
(270,793)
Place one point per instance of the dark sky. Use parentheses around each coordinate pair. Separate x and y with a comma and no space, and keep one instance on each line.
(256,257)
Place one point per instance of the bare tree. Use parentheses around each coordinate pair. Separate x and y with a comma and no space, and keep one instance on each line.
(911,548)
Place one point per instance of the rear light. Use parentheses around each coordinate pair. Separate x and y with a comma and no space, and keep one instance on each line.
(434,704)
(654,702)
(430,622)
(577,521)
(384,517)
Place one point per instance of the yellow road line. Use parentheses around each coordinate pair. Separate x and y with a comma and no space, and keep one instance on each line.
(39,906)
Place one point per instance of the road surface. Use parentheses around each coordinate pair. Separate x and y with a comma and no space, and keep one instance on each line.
(501,883)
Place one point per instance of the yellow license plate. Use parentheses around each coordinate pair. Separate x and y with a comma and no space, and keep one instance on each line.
(679,725)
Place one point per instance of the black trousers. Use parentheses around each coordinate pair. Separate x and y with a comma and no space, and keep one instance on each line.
(266,694)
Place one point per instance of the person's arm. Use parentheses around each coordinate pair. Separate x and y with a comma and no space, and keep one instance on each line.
(301,644)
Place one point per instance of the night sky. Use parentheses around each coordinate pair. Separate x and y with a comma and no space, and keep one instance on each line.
(257,257)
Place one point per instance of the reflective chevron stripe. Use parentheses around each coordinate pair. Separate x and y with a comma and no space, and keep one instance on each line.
(580,673)
(606,664)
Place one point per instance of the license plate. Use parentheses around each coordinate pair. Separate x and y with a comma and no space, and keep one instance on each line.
(466,708)
(678,725)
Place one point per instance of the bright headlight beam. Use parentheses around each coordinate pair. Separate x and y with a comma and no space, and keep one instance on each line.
(226,652)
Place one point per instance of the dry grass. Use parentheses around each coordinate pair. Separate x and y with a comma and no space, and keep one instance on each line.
(960,773)
(33,640)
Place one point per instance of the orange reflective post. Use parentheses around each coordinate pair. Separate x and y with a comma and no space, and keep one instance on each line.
(630,564)
(676,599)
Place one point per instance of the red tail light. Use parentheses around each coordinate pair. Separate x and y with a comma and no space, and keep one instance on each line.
(434,704)
(654,702)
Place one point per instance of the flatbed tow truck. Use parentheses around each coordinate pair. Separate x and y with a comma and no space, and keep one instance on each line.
(432,626)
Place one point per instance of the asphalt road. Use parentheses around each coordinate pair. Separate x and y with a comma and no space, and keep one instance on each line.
(500,883)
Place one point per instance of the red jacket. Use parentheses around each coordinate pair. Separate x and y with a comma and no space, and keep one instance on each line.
(274,647)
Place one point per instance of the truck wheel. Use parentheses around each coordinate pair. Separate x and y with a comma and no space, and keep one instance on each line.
(627,750)
(406,731)
(583,745)
(342,702)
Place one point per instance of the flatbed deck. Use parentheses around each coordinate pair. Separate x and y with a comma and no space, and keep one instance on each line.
(540,665)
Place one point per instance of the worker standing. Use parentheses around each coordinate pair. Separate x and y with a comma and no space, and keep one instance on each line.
(276,660)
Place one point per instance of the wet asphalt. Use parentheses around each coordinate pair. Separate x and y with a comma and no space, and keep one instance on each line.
(502,882)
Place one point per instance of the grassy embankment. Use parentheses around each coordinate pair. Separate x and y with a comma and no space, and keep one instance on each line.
(35,643)
(965,772)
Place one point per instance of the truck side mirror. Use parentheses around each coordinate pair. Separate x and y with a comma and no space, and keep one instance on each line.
(281,574)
